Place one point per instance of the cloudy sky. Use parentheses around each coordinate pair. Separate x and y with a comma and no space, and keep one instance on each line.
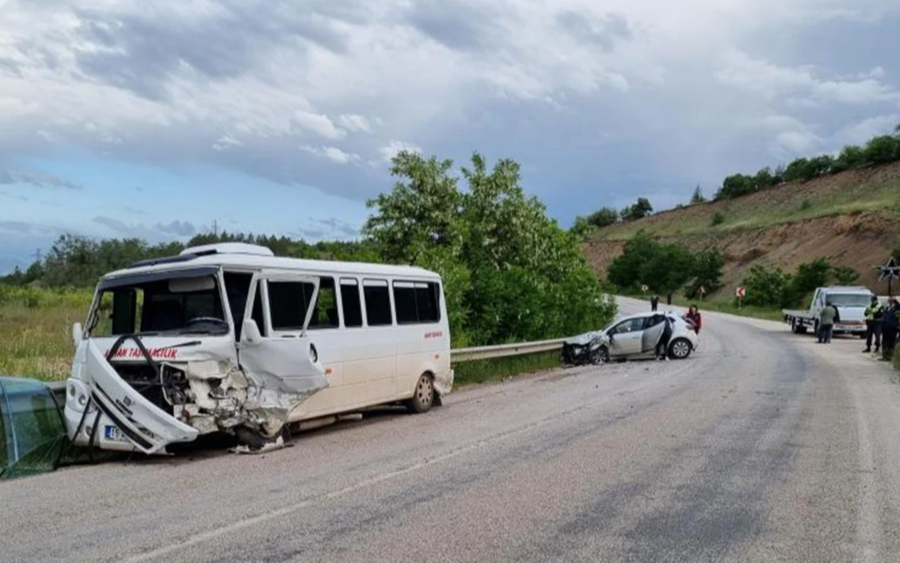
(162,119)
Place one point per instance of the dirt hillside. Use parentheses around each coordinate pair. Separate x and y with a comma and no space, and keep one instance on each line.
(853,219)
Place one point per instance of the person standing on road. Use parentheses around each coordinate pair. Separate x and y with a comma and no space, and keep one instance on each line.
(826,322)
(662,346)
(889,324)
(693,316)
(874,314)
(654,302)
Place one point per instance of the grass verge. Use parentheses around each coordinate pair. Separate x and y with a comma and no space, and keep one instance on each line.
(495,369)
(35,331)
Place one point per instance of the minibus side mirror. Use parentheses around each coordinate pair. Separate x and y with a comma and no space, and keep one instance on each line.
(77,334)
(250,331)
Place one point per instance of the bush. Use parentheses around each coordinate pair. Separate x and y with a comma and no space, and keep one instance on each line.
(717,219)
(766,287)
(845,275)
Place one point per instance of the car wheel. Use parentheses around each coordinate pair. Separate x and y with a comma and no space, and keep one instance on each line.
(601,355)
(423,398)
(680,348)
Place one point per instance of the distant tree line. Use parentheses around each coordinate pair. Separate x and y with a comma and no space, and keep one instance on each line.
(882,149)
(510,272)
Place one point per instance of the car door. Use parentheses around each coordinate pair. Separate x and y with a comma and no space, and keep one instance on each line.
(275,348)
(653,330)
(626,337)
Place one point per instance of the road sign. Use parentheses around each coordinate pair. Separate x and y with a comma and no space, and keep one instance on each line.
(741,292)
(644,288)
(890,271)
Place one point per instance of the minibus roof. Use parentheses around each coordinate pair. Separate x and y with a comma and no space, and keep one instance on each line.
(246,256)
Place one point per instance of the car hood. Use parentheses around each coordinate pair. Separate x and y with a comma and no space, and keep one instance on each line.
(583,339)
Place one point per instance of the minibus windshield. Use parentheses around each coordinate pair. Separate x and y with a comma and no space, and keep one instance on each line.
(155,305)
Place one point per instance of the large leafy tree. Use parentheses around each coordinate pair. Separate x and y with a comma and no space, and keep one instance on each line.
(510,272)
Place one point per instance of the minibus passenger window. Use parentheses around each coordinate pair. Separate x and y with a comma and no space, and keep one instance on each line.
(378,303)
(288,304)
(350,303)
(325,314)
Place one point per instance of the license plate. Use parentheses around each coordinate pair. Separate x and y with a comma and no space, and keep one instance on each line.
(113,433)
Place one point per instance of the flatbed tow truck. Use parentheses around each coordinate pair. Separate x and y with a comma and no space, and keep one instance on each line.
(850,301)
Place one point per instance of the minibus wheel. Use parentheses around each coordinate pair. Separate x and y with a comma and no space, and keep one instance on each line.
(423,397)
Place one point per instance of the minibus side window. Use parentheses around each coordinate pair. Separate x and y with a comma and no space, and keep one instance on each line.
(417,302)
(325,315)
(350,303)
(288,302)
(378,302)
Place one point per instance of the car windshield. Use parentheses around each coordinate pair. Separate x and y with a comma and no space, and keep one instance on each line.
(850,299)
(182,305)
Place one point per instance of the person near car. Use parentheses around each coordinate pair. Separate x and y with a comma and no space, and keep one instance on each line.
(693,316)
(874,313)
(662,346)
(889,322)
(826,322)
(654,302)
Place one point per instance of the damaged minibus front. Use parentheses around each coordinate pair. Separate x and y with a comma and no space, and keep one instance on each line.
(167,354)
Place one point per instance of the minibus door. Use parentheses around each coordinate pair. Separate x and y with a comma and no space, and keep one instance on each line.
(275,348)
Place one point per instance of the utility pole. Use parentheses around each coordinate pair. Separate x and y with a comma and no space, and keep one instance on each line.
(38,256)
(215,228)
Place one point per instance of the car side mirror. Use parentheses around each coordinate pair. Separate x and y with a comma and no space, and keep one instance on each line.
(250,331)
(77,334)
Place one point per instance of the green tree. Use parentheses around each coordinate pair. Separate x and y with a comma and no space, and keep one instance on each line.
(626,270)
(809,276)
(766,287)
(510,271)
(698,196)
(882,149)
(707,272)
(603,217)
(639,210)
(845,275)
(850,157)
(736,185)
(800,170)
(425,208)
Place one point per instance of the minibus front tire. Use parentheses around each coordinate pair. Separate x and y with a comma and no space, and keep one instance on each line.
(423,398)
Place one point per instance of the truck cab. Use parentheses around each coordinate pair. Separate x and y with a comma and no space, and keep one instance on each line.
(850,302)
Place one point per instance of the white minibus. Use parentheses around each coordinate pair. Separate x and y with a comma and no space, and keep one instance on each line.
(230,338)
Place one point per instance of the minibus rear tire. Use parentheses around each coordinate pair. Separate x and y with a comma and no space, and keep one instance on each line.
(423,398)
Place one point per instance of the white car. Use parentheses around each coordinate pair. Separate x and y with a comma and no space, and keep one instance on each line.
(631,338)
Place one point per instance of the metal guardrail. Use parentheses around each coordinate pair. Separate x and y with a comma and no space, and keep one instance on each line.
(504,350)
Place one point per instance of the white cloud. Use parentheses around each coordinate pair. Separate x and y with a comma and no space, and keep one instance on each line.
(353,122)
(774,82)
(696,88)
(393,148)
(226,142)
(319,124)
(333,154)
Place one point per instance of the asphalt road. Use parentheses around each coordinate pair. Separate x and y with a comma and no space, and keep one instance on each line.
(763,446)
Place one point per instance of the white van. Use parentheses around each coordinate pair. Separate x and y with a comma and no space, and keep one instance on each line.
(228,337)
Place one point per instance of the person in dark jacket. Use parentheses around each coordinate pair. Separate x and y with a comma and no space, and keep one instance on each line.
(889,322)
(654,302)
(662,347)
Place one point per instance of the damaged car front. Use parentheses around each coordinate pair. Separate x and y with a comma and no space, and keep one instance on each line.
(157,363)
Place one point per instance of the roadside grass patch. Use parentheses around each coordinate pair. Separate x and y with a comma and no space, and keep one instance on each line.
(496,369)
(35,331)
